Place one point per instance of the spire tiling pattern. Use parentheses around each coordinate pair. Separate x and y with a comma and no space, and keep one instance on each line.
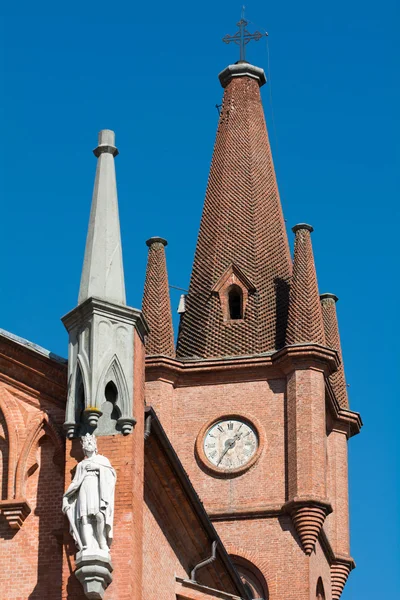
(305,324)
(156,301)
(338,379)
(242,225)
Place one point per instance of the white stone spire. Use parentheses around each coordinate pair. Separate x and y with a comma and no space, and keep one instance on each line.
(102,329)
(103,272)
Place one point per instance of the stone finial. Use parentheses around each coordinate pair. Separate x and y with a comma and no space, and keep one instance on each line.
(103,273)
(301,226)
(242,69)
(182,304)
(106,143)
(156,240)
(328,296)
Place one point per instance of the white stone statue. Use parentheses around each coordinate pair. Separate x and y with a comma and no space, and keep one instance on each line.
(89,500)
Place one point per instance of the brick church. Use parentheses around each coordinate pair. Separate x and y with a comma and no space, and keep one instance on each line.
(226,453)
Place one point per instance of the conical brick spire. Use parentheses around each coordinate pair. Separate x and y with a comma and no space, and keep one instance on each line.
(332,336)
(103,273)
(156,301)
(305,324)
(242,244)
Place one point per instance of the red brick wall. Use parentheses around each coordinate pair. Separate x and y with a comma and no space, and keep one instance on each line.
(306,434)
(337,523)
(319,567)
(160,563)
(31,558)
(273,547)
(192,407)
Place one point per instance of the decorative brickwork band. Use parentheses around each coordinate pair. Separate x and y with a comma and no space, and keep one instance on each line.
(308,518)
(340,570)
(242,225)
(156,301)
(338,379)
(305,324)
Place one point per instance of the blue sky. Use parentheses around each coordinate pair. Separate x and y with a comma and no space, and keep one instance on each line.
(150,73)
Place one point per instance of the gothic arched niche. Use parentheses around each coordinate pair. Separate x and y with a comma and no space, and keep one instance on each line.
(252,578)
(320,590)
(79,400)
(4,457)
(110,410)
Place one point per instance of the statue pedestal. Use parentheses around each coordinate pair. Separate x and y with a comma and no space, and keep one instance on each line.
(93,570)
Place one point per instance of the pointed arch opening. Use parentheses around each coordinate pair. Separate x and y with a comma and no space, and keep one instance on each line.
(235,302)
(4,457)
(79,397)
(111,396)
(320,594)
(110,410)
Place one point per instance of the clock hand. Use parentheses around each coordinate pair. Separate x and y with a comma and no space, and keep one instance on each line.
(229,446)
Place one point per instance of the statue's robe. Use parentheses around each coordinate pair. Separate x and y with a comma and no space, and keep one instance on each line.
(106,480)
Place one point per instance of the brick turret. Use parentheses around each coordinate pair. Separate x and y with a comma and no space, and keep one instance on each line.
(237,300)
(156,305)
(338,380)
(308,505)
(305,323)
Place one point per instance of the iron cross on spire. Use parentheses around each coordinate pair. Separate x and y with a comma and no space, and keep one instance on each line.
(243,36)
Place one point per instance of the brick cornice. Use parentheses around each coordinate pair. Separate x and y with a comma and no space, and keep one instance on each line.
(345,420)
(301,356)
(263,511)
(201,371)
(306,356)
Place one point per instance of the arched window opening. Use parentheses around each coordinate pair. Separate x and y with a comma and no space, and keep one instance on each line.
(111,395)
(111,392)
(110,410)
(252,578)
(320,590)
(235,302)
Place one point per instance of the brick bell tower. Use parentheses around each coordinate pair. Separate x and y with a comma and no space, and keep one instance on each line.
(255,399)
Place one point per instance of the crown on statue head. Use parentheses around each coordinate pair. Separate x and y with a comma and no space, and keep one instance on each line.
(88,441)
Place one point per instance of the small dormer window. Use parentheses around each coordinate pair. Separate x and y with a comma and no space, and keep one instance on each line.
(235,302)
(233,289)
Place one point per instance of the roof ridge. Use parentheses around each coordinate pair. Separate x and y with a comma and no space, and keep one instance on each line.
(32,346)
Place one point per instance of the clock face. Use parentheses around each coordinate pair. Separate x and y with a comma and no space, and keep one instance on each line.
(230,444)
